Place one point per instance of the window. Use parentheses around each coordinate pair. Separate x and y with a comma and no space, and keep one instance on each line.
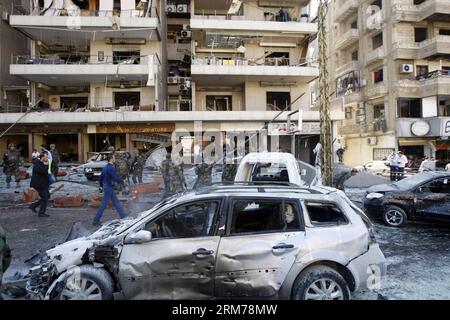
(420,34)
(186,221)
(355,55)
(127,57)
(378,76)
(219,103)
(270,172)
(347,84)
(277,101)
(444,32)
(409,108)
(378,111)
(377,41)
(348,113)
(277,59)
(255,216)
(127,99)
(436,186)
(354,24)
(325,214)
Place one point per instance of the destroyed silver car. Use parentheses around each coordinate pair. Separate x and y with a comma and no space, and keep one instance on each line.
(234,241)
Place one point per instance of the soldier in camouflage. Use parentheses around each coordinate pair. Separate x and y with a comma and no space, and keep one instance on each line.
(5,255)
(204,175)
(55,160)
(11,165)
(123,169)
(173,175)
(137,167)
(229,172)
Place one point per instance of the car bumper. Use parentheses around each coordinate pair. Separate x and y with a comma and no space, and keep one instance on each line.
(373,208)
(368,269)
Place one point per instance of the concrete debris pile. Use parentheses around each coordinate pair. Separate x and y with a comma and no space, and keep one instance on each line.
(364,180)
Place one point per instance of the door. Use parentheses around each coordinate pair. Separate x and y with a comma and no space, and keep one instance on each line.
(262,240)
(433,199)
(179,261)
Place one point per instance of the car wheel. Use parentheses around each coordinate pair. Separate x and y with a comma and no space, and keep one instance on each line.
(394,216)
(89,283)
(321,283)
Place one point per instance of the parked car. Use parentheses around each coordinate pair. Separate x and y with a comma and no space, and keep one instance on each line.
(227,241)
(377,167)
(93,168)
(424,196)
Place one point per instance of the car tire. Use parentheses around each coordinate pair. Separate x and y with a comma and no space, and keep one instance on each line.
(311,283)
(91,284)
(394,216)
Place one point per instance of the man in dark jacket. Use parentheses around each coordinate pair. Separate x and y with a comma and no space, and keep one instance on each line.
(40,182)
(5,256)
(107,180)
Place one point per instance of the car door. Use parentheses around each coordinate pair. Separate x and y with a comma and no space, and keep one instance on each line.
(179,261)
(260,245)
(432,200)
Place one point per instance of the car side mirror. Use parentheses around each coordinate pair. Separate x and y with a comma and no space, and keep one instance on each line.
(142,236)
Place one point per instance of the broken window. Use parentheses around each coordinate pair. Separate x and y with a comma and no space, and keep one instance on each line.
(409,108)
(277,101)
(186,221)
(219,103)
(270,172)
(347,84)
(436,186)
(277,59)
(127,100)
(127,57)
(325,214)
(261,216)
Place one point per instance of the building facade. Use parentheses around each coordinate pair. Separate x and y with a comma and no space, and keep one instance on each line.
(390,64)
(125,73)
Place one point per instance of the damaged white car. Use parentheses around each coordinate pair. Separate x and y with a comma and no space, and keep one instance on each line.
(234,241)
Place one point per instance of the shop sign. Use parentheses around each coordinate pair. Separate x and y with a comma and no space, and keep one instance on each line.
(137,128)
(280,129)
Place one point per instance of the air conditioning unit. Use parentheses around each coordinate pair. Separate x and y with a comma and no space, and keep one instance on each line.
(172,80)
(183,80)
(406,68)
(186,34)
(188,84)
(182,8)
(171,8)
(187,27)
(363,82)
(372,141)
(183,87)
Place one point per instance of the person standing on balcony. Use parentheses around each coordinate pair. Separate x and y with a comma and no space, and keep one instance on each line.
(283,15)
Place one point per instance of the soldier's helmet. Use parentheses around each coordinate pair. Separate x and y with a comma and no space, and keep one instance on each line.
(11,145)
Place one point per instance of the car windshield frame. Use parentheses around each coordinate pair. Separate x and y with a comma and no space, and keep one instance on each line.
(414,181)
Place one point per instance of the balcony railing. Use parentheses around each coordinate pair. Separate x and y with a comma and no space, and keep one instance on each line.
(225,61)
(83,59)
(347,39)
(266,16)
(348,8)
(77,12)
(348,67)
(376,55)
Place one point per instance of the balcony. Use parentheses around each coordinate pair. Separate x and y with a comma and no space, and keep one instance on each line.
(347,39)
(432,84)
(70,27)
(437,47)
(375,56)
(267,23)
(346,68)
(225,71)
(377,91)
(435,10)
(345,11)
(54,71)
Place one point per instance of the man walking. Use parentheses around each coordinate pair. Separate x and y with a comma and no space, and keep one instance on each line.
(40,182)
(51,177)
(392,158)
(107,180)
(11,163)
(204,175)
(138,165)
(173,176)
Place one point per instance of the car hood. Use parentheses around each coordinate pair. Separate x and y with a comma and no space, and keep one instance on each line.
(382,188)
(96,164)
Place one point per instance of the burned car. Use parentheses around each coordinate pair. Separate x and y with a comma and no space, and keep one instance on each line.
(227,241)
(93,168)
(424,196)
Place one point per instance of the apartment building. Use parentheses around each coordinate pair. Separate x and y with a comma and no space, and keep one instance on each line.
(390,62)
(131,72)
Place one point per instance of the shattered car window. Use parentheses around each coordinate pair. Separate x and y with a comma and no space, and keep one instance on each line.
(413,181)
(263,216)
(185,221)
(324,214)
(437,186)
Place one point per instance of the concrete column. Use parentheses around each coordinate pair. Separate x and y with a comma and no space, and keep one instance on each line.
(128,142)
(30,145)
(80,147)
(194,99)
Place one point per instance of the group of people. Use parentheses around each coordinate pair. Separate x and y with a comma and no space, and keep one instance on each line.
(397,163)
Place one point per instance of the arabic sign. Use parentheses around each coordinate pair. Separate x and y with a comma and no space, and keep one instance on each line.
(281,129)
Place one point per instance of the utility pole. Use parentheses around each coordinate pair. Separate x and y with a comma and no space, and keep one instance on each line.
(326,138)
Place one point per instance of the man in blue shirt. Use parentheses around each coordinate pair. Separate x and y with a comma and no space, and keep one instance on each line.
(107,179)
